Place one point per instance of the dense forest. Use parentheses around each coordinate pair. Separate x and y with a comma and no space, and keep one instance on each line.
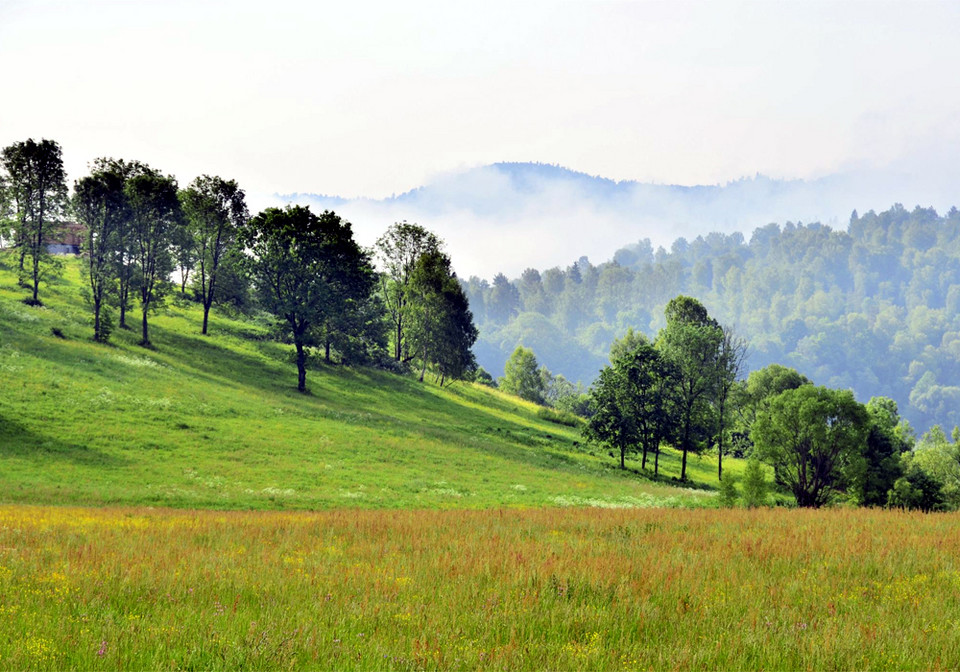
(873,309)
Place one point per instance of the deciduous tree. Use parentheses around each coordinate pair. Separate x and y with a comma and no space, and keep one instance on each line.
(155,212)
(215,210)
(37,187)
(522,377)
(100,204)
(809,434)
(300,263)
(398,251)
(692,341)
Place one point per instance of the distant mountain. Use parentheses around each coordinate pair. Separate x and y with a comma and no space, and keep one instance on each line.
(505,217)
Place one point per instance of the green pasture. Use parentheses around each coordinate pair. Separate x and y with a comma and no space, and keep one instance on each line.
(216,422)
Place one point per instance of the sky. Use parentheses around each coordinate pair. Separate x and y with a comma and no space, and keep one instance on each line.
(368,99)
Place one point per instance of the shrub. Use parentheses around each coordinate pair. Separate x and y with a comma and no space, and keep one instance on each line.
(754,484)
(559,417)
(728,492)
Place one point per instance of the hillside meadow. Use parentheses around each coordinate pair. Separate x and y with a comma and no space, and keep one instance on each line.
(216,422)
(183,507)
(584,589)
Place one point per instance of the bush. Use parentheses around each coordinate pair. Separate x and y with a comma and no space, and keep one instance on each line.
(728,492)
(559,417)
(754,484)
(483,377)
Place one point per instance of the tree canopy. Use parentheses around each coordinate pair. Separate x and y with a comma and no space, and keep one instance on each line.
(303,266)
(810,434)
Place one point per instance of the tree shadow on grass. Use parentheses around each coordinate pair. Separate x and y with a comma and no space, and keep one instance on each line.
(17,441)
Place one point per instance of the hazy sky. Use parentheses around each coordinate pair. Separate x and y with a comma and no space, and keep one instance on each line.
(370,98)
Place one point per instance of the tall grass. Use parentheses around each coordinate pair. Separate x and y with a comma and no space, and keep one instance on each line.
(580,589)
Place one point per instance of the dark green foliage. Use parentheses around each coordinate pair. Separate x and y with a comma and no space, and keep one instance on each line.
(870,478)
(482,376)
(215,210)
(398,251)
(635,403)
(810,435)
(692,341)
(155,214)
(875,308)
(305,267)
(916,490)
(232,290)
(100,205)
(728,495)
(613,422)
(439,323)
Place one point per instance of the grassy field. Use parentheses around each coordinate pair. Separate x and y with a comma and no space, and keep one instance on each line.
(216,422)
(583,589)
(437,528)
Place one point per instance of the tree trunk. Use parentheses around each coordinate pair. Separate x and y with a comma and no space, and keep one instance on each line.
(656,462)
(145,341)
(326,351)
(97,336)
(36,266)
(123,308)
(623,452)
(399,334)
(643,462)
(207,289)
(301,368)
(683,467)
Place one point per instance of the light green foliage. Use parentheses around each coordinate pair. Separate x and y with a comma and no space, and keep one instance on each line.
(522,376)
(728,492)
(873,308)
(35,188)
(939,458)
(809,434)
(398,251)
(627,344)
(215,422)
(755,486)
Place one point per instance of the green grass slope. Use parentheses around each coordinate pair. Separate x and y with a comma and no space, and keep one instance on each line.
(216,422)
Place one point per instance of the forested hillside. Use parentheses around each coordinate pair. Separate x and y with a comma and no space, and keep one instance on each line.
(873,308)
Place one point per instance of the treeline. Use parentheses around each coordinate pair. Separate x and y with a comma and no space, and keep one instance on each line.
(685,388)
(874,309)
(142,231)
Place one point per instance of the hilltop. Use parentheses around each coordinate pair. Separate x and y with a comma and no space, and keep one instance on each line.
(509,216)
(216,422)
